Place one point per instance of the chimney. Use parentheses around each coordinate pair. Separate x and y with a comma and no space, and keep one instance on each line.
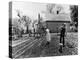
(38,18)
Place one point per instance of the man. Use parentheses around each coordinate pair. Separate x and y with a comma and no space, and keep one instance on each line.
(62,34)
(62,39)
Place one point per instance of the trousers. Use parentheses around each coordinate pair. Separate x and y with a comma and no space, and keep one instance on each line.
(62,40)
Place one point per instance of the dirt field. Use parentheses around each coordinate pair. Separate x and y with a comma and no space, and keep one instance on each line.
(31,47)
(71,47)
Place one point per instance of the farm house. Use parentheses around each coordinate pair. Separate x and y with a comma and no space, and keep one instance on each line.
(55,21)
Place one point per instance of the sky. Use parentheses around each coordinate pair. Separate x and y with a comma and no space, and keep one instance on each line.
(32,9)
(28,8)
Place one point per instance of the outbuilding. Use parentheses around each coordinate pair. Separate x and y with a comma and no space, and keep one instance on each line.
(54,22)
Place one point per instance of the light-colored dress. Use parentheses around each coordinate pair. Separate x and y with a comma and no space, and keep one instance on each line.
(32,30)
(48,35)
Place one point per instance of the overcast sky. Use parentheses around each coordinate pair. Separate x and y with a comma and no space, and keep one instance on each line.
(32,9)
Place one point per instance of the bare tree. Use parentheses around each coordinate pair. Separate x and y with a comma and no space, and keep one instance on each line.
(59,8)
(24,21)
(50,7)
(27,22)
(74,15)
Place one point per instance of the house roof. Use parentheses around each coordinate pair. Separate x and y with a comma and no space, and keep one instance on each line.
(57,17)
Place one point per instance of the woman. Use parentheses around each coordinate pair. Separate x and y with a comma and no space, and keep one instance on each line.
(48,37)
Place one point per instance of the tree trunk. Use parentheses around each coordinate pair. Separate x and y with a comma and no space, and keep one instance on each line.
(27,30)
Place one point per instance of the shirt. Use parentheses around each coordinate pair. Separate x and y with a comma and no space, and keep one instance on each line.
(62,31)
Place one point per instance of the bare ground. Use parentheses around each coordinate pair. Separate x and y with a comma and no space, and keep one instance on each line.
(37,47)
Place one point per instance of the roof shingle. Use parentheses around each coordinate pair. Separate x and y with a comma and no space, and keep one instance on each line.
(57,17)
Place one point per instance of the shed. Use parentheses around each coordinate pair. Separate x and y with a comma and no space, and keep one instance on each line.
(54,21)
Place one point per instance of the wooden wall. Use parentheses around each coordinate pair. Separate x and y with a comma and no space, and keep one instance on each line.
(55,26)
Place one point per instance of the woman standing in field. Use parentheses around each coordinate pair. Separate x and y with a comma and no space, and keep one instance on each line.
(48,37)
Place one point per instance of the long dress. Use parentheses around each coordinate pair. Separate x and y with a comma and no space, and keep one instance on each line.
(48,35)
